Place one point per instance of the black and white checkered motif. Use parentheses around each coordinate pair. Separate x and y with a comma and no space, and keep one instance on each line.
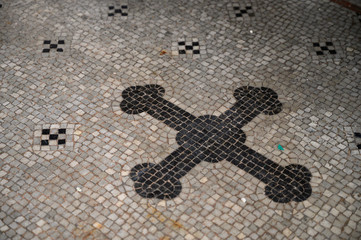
(324,48)
(358,139)
(240,12)
(188,47)
(53,137)
(118,10)
(353,137)
(243,11)
(49,46)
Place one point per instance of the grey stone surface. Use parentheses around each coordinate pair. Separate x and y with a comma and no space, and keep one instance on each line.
(83,191)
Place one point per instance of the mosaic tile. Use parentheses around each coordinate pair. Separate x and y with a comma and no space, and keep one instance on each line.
(241,11)
(244,12)
(326,49)
(54,137)
(353,137)
(189,47)
(122,11)
(198,143)
(358,139)
(57,44)
(49,46)
(87,191)
(118,10)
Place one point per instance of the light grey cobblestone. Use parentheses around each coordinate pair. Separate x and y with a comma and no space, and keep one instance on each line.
(84,190)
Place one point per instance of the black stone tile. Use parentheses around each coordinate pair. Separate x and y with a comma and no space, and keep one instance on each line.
(44,142)
(62,131)
(53,136)
(45,131)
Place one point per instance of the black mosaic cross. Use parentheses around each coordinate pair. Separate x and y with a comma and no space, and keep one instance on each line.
(122,10)
(58,46)
(185,47)
(323,48)
(48,136)
(358,135)
(240,12)
(212,139)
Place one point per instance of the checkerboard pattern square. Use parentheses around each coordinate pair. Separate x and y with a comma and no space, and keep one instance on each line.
(242,11)
(358,139)
(323,48)
(121,10)
(54,137)
(192,47)
(56,46)
(353,137)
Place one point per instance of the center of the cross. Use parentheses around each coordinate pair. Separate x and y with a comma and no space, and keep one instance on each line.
(210,135)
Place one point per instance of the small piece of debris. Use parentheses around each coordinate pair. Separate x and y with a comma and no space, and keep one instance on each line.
(97,225)
(204,180)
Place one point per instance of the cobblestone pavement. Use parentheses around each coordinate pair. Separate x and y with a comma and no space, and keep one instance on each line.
(180,120)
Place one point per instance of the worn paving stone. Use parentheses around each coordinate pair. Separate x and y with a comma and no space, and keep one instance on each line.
(162,120)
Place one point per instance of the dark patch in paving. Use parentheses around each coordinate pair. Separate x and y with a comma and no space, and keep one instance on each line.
(212,139)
